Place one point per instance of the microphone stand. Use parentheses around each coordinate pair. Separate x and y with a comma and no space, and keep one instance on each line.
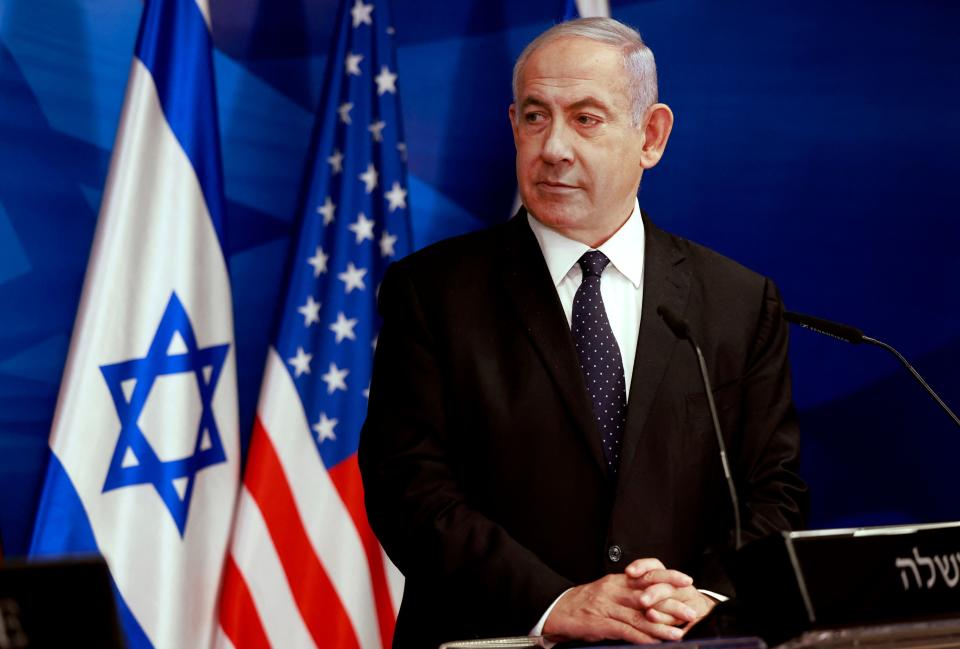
(681,329)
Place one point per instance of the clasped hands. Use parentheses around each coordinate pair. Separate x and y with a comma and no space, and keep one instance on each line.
(645,603)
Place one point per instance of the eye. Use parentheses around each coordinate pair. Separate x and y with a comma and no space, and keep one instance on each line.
(587,120)
(534,117)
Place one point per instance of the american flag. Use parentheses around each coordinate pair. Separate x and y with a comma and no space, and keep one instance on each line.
(305,569)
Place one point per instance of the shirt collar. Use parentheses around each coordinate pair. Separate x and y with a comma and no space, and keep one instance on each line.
(624,249)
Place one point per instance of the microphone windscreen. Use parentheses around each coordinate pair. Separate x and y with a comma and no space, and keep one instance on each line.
(826,327)
(677,324)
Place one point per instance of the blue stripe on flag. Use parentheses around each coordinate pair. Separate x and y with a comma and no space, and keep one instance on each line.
(69,533)
(171,43)
(132,631)
(62,526)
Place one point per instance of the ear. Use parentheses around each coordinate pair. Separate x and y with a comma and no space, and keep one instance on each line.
(513,122)
(657,125)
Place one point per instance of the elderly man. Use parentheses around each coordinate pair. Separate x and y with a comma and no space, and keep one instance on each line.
(538,454)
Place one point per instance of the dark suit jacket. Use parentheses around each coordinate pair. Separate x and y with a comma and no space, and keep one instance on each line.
(482,466)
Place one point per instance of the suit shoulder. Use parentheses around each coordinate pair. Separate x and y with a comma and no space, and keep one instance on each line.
(715,269)
(720,284)
(464,253)
(727,300)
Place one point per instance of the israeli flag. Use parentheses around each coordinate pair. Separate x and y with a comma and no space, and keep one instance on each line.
(145,451)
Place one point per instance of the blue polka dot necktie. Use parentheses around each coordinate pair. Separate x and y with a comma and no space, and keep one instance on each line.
(600,357)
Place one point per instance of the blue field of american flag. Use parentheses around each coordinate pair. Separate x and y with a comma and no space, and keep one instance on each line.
(305,570)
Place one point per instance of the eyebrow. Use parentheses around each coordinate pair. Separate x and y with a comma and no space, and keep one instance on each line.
(589,102)
(586,102)
(532,101)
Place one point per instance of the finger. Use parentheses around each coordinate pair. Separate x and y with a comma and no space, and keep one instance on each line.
(697,601)
(617,630)
(672,577)
(640,622)
(640,566)
(642,599)
(597,629)
(662,618)
(659,592)
(676,609)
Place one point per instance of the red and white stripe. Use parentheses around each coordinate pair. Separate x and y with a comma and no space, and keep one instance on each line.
(305,569)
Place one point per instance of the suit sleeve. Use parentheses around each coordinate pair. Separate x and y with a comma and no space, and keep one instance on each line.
(415,502)
(769,457)
(766,448)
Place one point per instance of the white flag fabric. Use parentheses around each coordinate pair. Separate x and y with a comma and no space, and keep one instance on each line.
(144,445)
(590,8)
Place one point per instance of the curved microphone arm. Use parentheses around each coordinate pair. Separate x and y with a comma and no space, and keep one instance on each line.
(915,374)
(853,335)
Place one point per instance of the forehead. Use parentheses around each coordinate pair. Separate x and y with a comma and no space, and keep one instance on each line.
(574,64)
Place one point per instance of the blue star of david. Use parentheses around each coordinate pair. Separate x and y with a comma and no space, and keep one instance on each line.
(145,467)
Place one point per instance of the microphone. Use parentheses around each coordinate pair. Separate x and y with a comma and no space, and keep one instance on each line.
(855,336)
(681,329)
(836,330)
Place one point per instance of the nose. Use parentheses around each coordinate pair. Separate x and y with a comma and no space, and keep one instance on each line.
(557,147)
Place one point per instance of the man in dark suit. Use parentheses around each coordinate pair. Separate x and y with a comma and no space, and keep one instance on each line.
(538,455)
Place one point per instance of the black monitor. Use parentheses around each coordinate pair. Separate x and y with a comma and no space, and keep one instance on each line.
(57,604)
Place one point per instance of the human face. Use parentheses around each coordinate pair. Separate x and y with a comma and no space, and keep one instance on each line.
(579,155)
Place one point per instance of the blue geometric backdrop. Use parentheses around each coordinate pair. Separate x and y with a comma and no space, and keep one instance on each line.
(816,142)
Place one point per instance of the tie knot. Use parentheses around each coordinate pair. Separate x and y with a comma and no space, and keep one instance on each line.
(593,262)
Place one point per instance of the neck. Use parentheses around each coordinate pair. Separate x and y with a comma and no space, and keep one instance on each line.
(592,237)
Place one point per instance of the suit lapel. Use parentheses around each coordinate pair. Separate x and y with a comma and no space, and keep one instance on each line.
(665,282)
(527,282)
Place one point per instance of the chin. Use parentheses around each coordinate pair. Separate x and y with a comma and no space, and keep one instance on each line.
(556,215)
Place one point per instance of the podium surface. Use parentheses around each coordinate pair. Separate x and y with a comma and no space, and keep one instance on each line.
(913,635)
(525,642)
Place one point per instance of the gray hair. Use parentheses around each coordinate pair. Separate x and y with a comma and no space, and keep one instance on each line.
(637,57)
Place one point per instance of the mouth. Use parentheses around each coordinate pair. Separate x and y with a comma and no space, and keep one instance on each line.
(558,187)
